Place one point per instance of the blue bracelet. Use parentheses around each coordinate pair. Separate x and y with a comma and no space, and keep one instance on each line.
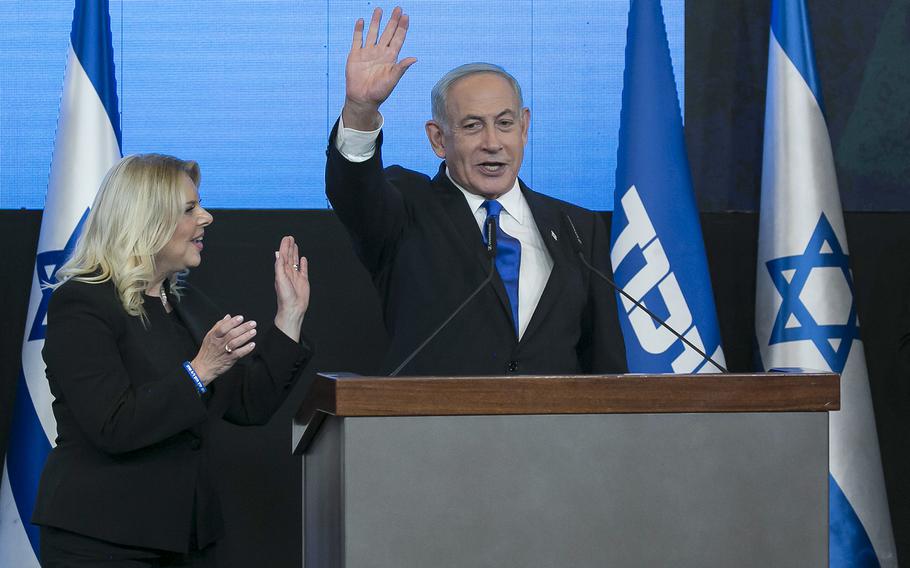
(200,388)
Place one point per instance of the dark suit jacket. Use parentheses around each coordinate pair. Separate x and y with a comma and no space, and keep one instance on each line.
(130,459)
(421,243)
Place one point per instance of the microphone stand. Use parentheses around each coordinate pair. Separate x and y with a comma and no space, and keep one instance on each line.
(578,246)
(491,252)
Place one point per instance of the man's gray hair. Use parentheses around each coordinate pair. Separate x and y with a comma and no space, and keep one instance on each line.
(440,93)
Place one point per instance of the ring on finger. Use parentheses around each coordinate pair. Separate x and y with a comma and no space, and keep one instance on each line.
(228,348)
(297,267)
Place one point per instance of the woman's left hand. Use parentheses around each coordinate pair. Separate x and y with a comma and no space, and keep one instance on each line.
(292,288)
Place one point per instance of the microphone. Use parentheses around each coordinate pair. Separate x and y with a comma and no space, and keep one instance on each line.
(578,246)
(490,229)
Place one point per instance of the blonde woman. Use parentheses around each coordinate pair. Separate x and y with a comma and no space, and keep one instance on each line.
(140,364)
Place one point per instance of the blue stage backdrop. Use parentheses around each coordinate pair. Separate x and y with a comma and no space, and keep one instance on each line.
(251,88)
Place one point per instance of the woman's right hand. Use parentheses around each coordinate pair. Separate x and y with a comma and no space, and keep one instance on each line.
(224,344)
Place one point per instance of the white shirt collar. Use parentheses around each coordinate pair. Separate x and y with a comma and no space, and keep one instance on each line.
(512,201)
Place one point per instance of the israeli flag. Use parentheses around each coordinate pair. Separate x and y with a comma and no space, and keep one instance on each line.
(805,314)
(87,145)
(657,251)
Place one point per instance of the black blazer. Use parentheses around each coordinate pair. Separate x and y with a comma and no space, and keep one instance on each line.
(419,240)
(130,458)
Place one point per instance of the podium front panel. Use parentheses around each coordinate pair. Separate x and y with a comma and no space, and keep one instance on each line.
(738,489)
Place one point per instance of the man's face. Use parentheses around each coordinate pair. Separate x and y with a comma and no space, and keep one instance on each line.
(484,140)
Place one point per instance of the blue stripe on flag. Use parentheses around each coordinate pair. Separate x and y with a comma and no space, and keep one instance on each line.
(93,45)
(25,457)
(790,25)
(849,545)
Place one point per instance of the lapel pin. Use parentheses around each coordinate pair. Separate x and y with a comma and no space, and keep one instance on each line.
(553,234)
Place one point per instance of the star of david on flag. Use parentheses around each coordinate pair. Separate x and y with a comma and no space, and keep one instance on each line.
(47,264)
(795,320)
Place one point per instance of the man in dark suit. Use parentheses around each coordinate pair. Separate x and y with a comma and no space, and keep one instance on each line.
(423,239)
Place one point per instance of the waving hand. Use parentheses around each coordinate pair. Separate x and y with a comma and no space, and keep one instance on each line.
(373,69)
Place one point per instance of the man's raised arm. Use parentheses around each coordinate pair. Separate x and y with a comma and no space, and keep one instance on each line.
(370,208)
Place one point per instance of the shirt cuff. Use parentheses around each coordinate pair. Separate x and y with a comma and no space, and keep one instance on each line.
(357,145)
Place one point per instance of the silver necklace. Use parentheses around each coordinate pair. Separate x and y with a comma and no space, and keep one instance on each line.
(163,295)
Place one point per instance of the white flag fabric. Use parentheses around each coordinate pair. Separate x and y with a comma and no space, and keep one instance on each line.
(87,145)
(805,310)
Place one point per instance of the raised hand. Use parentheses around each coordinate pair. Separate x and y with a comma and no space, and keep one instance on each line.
(227,341)
(373,70)
(292,288)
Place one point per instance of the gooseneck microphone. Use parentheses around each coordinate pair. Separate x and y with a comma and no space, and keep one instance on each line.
(490,229)
(578,245)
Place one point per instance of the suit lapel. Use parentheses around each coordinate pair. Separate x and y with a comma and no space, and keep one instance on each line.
(191,317)
(550,225)
(464,225)
(198,323)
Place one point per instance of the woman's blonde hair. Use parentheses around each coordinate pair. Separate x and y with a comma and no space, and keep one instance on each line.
(134,215)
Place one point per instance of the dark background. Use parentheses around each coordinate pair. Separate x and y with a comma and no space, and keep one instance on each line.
(861,54)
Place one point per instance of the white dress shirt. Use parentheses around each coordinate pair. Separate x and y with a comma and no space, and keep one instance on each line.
(516,220)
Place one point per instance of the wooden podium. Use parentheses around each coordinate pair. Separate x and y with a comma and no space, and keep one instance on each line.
(568,471)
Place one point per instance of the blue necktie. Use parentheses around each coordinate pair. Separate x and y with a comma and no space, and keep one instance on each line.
(508,258)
